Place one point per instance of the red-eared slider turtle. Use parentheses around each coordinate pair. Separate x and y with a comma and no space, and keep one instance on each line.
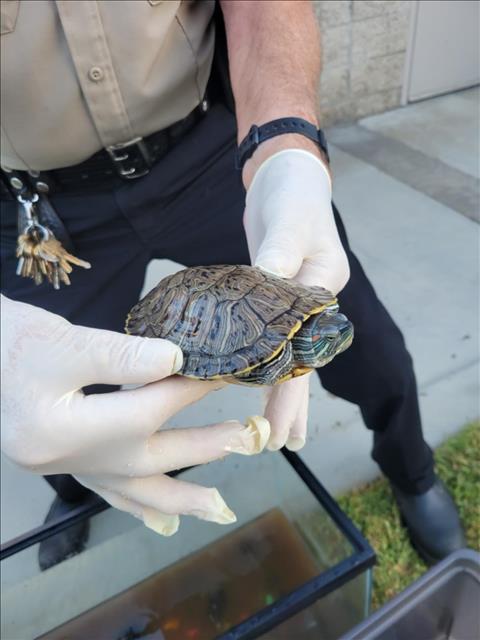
(242,324)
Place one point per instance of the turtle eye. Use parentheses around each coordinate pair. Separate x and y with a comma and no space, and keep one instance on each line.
(328,337)
(329,333)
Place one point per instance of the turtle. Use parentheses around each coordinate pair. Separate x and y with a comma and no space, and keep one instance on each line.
(242,324)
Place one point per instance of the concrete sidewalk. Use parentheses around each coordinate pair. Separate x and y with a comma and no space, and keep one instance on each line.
(406,184)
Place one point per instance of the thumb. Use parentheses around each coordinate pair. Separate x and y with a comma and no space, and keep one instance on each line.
(279,253)
(115,358)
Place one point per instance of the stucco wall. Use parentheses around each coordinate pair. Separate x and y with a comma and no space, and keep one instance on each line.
(364,51)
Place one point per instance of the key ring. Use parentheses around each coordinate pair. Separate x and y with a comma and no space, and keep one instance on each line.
(33,227)
(23,200)
(28,204)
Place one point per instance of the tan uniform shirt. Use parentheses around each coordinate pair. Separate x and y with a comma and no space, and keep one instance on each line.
(79,75)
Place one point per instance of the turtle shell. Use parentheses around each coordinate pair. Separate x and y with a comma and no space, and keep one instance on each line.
(226,319)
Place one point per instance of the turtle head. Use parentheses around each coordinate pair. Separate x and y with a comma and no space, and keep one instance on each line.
(331,335)
(321,338)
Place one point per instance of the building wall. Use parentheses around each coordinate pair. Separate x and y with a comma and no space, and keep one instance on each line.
(364,50)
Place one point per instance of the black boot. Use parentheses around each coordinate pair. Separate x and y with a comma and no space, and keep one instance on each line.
(432,521)
(68,542)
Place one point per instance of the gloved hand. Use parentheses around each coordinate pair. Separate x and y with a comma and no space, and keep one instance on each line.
(291,232)
(111,442)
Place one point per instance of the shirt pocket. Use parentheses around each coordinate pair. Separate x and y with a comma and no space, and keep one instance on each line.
(8,15)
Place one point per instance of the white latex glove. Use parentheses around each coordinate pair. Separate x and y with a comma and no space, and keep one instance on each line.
(111,442)
(291,232)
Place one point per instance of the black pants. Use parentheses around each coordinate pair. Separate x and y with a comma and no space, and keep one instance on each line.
(189,209)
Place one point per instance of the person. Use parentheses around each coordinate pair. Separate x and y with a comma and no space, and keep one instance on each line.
(118,125)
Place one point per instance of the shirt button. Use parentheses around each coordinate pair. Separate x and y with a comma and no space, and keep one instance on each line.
(95,74)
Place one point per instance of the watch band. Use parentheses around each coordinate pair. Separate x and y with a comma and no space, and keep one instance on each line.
(257,135)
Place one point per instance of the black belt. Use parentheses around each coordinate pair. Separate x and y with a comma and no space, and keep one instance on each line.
(107,167)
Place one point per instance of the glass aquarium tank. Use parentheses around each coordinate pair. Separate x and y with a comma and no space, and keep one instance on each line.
(292,566)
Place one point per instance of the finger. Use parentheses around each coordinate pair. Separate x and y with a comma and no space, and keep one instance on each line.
(162,523)
(172,497)
(113,498)
(107,357)
(282,409)
(280,253)
(173,449)
(165,525)
(180,448)
(329,270)
(112,416)
(298,432)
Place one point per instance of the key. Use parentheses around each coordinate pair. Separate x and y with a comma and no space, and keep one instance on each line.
(51,251)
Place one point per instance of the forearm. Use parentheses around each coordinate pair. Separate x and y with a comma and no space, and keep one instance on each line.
(274,55)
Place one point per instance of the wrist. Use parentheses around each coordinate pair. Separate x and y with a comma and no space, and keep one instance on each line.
(289,167)
(288,141)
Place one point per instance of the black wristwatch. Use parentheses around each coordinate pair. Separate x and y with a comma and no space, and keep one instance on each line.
(257,135)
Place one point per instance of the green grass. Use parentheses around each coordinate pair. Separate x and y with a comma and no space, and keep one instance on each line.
(373,510)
